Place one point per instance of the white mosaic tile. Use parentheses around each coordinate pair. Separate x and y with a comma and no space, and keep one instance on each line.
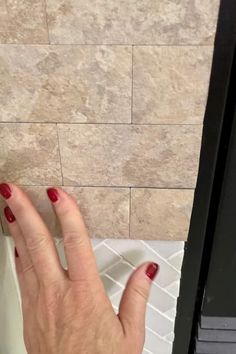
(161,299)
(176,260)
(173,288)
(121,272)
(158,322)
(110,286)
(105,257)
(137,252)
(156,344)
(161,309)
(116,260)
(165,248)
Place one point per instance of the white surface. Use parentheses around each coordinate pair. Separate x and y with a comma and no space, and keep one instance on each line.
(116,259)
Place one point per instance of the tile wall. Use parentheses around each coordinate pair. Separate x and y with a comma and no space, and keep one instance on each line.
(107,99)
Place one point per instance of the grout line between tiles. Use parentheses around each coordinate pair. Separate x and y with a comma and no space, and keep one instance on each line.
(161,257)
(46,20)
(129,213)
(105,270)
(132,84)
(164,289)
(175,254)
(116,282)
(119,187)
(113,250)
(110,44)
(147,351)
(155,309)
(59,151)
(110,124)
(158,335)
(116,293)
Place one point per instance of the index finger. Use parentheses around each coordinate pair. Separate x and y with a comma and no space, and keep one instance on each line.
(38,240)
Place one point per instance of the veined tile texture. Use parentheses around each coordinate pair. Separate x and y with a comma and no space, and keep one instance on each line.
(115,213)
(105,210)
(29,154)
(132,22)
(23,21)
(160,213)
(80,84)
(130,155)
(170,84)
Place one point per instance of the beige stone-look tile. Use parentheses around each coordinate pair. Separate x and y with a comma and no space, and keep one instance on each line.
(130,155)
(40,200)
(29,154)
(105,210)
(23,21)
(80,84)
(171,84)
(160,213)
(132,22)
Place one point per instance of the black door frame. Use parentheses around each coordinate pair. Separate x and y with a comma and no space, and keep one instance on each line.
(215,142)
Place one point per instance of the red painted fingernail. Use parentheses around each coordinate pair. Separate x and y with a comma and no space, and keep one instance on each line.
(5,190)
(9,214)
(152,270)
(16,253)
(53,194)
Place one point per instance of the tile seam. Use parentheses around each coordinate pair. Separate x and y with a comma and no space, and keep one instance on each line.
(107,124)
(109,44)
(111,187)
(46,20)
(130,206)
(132,84)
(59,151)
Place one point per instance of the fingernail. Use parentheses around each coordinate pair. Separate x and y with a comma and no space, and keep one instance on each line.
(5,190)
(9,214)
(16,253)
(53,194)
(152,270)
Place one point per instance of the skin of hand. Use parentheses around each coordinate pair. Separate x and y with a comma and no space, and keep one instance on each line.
(68,311)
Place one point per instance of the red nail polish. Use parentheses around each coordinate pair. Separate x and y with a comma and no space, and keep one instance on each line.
(152,270)
(9,214)
(53,194)
(5,190)
(16,253)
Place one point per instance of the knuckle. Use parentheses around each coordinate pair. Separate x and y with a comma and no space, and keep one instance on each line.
(36,242)
(71,238)
(140,292)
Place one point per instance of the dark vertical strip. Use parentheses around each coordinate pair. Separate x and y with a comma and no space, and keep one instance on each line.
(215,132)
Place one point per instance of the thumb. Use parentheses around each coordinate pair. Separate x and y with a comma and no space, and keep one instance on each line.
(134,300)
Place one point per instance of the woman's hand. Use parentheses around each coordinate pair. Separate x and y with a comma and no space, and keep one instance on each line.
(68,311)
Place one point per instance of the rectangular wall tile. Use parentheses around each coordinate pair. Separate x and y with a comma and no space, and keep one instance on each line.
(125,155)
(23,21)
(132,22)
(105,210)
(29,154)
(171,84)
(74,84)
(160,214)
